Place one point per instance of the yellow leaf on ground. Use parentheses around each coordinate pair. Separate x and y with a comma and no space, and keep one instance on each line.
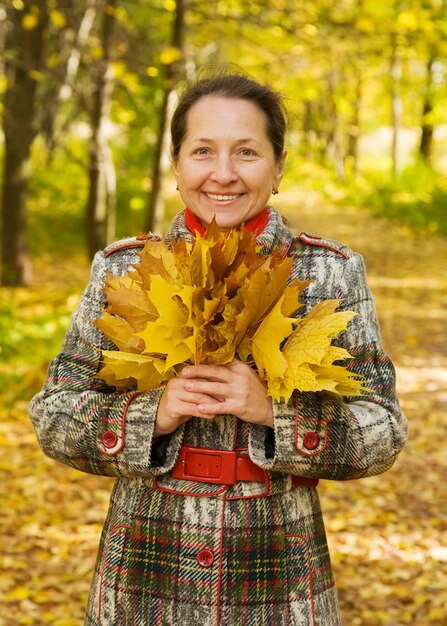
(18,593)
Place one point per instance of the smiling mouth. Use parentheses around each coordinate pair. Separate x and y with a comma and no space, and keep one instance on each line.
(223,197)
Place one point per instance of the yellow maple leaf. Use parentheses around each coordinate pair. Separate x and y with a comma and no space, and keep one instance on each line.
(214,299)
(156,259)
(314,333)
(120,332)
(262,291)
(131,303)
(170,334)
(345,382)
(291,301)
(123,369)
(310,356)
(301,377)
(200,262)
(266,343)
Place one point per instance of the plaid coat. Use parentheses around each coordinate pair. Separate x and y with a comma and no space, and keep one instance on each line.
(176,552)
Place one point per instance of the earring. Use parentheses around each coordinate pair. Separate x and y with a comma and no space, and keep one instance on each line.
(176,188)
(275,192)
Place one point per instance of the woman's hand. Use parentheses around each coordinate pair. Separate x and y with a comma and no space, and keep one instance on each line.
(234,388)
(177,405)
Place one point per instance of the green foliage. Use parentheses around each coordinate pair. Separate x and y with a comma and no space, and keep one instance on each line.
(58,191)
(417,197)
(32,327)
(330,59)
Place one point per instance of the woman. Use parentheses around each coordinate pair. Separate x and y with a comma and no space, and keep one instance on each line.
(214,518)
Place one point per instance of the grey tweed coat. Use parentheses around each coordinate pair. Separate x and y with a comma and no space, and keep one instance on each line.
(180,553)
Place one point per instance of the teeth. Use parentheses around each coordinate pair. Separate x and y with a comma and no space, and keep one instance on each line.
(214,196)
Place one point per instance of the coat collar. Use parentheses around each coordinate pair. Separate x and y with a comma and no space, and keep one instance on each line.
(275,236)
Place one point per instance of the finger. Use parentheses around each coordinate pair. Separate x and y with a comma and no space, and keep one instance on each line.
(194,397)
(194,411)
(213,409)
(215,390)
(205,371)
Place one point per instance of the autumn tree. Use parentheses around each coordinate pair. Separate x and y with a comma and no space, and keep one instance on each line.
(435,53)
(74,21)
(173,71)
(101,171)
(24,46)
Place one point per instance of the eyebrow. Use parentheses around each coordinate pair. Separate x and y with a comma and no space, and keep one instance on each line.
(208,140)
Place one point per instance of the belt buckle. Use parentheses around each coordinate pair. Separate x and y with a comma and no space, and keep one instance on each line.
(206,465)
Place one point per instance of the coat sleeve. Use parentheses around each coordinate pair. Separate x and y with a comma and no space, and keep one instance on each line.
(321,436)
(82,422)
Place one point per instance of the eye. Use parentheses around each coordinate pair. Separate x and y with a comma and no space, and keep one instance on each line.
(202,151)
(247,153)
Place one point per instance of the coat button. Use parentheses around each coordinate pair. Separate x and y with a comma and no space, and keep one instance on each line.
(109,439)
(205,557)
(311,441)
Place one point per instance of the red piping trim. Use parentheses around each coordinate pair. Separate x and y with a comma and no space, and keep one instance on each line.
(296,441)
(188,493)
(115,450)
(315,242)
(125,246)
(309,565)
(104,562)
(219,576)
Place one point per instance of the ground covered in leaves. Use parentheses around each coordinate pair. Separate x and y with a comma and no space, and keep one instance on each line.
(388,534)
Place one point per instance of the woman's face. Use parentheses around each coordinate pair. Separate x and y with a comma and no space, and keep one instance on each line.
(226,165)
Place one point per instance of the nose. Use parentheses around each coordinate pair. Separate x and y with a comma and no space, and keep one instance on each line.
(224,171)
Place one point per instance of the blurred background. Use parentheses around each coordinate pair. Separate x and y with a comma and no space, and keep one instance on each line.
(87,87)
(86,92)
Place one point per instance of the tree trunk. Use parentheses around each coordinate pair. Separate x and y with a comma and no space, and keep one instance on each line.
(101,170)
(426,142)
(336,136)
(155,212)
(19,131)
(74,41)
(354,126)
(396,106)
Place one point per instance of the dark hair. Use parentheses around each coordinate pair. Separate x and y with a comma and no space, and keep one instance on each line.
(232,85)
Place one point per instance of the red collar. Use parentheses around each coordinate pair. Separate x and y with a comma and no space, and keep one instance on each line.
(255,225)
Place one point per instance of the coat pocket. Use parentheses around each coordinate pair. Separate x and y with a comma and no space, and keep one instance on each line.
(155,571)
(138,583)
(299,581)
(112,606)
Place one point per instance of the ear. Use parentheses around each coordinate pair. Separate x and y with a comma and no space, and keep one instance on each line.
(173,160)
(280,167)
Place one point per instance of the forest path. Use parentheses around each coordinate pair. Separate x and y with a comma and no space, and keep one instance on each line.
(388,534)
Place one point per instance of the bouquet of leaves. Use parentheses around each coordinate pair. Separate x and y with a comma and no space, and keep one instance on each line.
(214,300)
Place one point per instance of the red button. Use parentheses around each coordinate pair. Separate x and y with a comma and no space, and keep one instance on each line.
(205,557)
(311,441)
(109,439)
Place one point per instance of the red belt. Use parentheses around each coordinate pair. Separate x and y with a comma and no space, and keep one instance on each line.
(223,467)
